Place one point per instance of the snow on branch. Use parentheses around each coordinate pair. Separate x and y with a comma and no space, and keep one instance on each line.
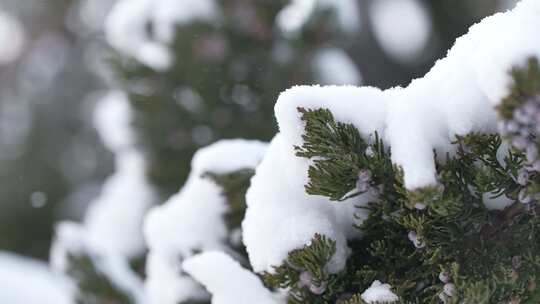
(457,97)
(111,232)
(193,220)
(23,280)
(227,281)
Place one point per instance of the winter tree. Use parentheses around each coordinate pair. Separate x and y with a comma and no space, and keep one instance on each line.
(426,193)
(55,65)
(214,62)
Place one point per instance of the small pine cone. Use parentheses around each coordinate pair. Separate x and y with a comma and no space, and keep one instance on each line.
(364,175)
(523,177)
(449,289)
(305,279)
(444,277)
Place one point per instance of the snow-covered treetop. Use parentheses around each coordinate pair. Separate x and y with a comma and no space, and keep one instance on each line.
(289,232)
(455,98)
(228,281)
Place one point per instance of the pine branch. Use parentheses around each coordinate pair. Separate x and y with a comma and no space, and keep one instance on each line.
(234,185)
(410,237)
(93,286)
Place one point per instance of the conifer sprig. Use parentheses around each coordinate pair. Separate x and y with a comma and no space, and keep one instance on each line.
(93,286)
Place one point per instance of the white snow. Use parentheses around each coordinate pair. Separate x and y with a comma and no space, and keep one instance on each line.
(28,281)
(402,27)
(114,219)
(365,107)
(297,13)
(227,281)
(455,98)
(192,220)
(501,42)
(111,232)
(282,217)
(126,26)
(12,38)
(334,66)
(200,198)
(165,284)
(71,239)
(112,119)
(91,14)
(499,202)
(379,293)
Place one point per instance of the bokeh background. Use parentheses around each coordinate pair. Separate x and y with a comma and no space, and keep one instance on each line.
(56,63)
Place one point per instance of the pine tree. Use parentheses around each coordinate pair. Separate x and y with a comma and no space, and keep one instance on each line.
(442,242)
(218,73)
(338,209)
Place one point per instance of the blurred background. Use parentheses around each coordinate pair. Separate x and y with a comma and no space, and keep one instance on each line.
(215,79)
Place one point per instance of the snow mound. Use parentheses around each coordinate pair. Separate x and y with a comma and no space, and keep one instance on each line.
(227,281)
(456,97)
(282,217)
(24,280)
(379,293)
(192,220)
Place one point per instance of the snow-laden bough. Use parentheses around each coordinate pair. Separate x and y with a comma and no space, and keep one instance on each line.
(456,97)
(111,232)
(193,221)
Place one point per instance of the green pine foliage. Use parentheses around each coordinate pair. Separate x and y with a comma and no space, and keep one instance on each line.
(336,173)
(411,238)
(93,286)
(312,259)
(235,185)
(527,83)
